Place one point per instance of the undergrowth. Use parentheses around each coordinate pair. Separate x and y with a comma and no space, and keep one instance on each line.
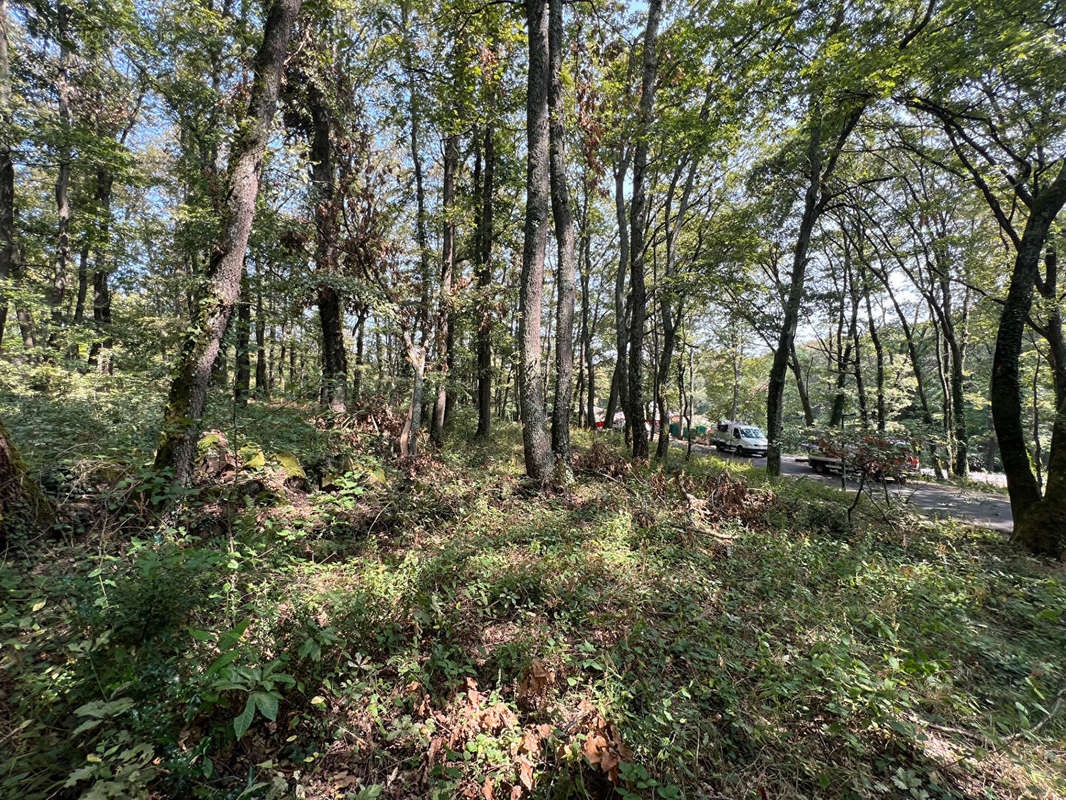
(442,629)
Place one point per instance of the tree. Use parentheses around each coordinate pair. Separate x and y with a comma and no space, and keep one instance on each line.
(995,117)
(635,416)
(221,285)
(564,236)
(535,441)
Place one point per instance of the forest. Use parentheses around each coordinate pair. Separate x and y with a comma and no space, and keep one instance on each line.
(432,399)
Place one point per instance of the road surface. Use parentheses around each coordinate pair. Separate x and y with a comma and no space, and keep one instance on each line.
(984,509)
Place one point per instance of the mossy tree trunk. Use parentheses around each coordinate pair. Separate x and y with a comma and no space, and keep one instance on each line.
(221,285)
(23,507)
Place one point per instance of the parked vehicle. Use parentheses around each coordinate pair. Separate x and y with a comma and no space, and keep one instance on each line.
(879,457)
(741,438)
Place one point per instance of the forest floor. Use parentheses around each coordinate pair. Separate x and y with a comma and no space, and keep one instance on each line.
(315,620)
(971,504)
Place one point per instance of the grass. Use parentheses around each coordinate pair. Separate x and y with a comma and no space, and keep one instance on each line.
(440,629)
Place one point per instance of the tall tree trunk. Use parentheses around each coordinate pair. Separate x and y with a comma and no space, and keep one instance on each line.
(7,172)
(801,386)
(483,275)
(83,283)
(243,366)
(564,237)
(535,442)
(334,389)
(360,331)
(775,398)
(62,184)
(98,352)
(818,170)
(619,379)
(220,288)
(1038,522)
(912,350)
(638,312)
(587,352)
(262,380)
(875,340)
(416,347)
(447,269)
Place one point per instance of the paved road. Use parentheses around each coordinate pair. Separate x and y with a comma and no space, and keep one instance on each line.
(985,509)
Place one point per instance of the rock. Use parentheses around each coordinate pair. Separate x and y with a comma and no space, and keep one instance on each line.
(292,474)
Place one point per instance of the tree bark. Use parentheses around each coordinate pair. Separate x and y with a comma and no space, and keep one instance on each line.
(801,386)
(83,283)
(564,237)
(818,171)
(875,340)
(62,184)
(619,379)
(220,288)
(416,349)
(535,442)
(360,332)
(262,379)
(1038,522)
(334,390)
(638,311)
(23,507)
(483,270)
(242,371)
(7,172)
(776,389)
(447,270)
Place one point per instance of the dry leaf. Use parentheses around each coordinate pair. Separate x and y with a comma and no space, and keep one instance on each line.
(525,772)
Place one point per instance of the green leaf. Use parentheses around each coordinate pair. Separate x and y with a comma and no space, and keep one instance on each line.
(243,720)
(267,703)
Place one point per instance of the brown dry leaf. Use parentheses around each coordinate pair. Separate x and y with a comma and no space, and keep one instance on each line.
(594,748)
(486,790)
(516,793)
(544,730)
(434,748)
(530,742)
(525,772)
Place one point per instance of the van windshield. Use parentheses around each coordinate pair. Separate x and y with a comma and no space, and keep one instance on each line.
(751,433)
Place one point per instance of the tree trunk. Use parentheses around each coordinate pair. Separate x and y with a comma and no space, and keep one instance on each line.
(360,331)
(447,269)
(334,389)
(775,397)
(564,237)
(23,507)
(7,172)
(638,311)
(801,386)
(1038,522)
(416,350)
(817,174)
(98,352)
(83,283)
(875,340)
(535,442)
(619,379)
(483,270)
(62,184)
(221,285)
(243,366)
(262,380)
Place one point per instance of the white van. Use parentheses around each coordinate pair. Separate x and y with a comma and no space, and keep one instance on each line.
(741,438)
